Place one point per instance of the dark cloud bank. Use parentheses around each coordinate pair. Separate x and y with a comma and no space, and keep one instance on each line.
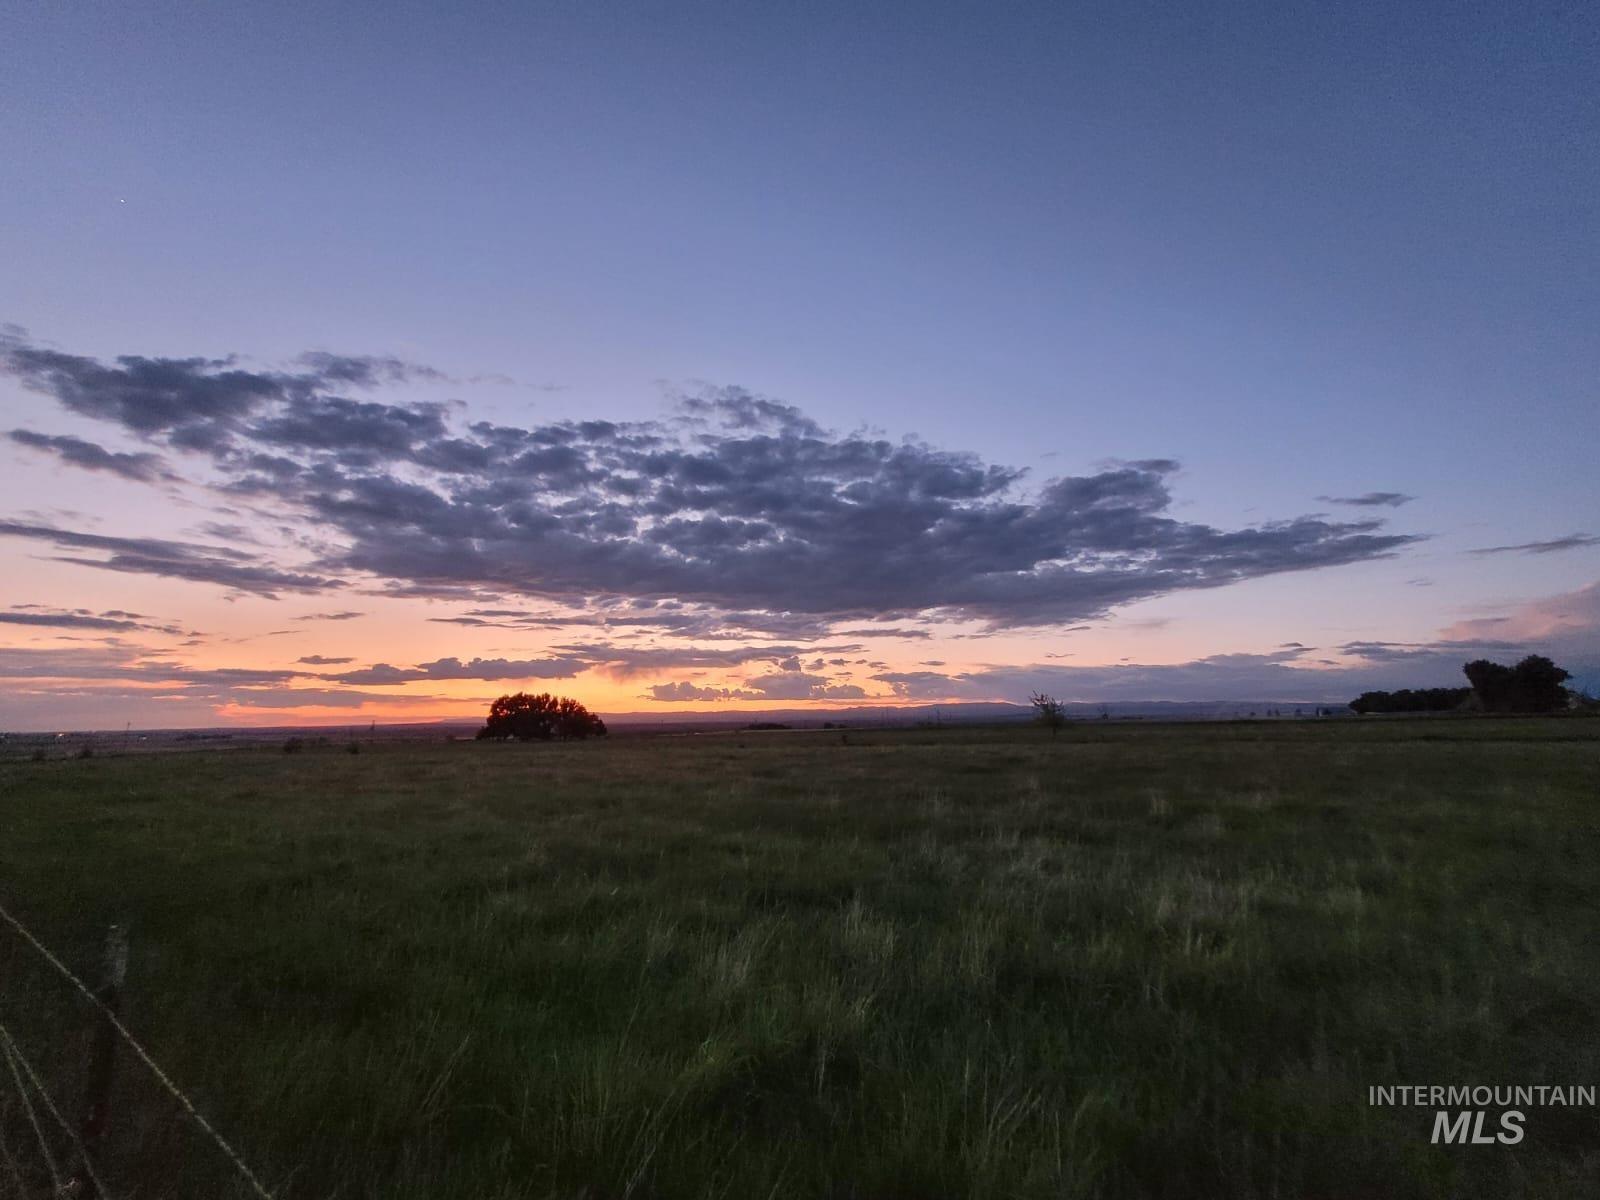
(738,506)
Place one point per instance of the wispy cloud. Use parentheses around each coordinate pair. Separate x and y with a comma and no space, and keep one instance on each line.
(76,452)
(1573,541)
(176,560)
(1370,500)
(44,617)
(454,668)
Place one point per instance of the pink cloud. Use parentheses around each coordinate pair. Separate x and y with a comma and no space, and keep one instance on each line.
(1552,619)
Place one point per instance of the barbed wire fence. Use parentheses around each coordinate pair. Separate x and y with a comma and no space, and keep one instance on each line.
(43,1152)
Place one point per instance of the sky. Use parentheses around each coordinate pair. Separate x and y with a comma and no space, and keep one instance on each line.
(365,364)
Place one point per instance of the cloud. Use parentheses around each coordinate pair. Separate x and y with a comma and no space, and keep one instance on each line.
(115,619)
(800,685)
(176,560)
(322,660)
(837,530)
(1370,500)
(664,617)
(346,615)
(227,532)
(364,370)
(1569,622)
(66,621)
(299,697)
(129,663)
(115,684)
(785,685)
(737,505)
(143,468)
(192,402)
(628,661)
(357,433)
(916,635)
(454,668)
(189,403)
(684,690)
(1572,541)
(912,685)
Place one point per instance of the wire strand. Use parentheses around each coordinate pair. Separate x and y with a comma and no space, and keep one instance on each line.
(144,1055)
(50,1104)
(33,1117)
(11,1165)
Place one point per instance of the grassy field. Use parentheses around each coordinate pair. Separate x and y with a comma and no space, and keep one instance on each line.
(1134,960)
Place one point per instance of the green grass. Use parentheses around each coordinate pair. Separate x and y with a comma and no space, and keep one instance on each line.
(1135,960)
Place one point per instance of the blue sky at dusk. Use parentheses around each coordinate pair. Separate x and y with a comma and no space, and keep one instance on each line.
(612,321)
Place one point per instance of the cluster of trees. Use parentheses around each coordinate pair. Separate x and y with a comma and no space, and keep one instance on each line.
(529,718)
(1534,685)
(1412,700)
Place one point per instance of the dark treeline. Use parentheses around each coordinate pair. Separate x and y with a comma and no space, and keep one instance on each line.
(1534,685)
(1412,700)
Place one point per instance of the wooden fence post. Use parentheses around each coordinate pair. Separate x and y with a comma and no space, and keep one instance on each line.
(102,1058)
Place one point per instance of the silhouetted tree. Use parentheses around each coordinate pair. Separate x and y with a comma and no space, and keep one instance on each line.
(1534,685)
(1049,712)
(1491,683)
(530,718)
(1539,685)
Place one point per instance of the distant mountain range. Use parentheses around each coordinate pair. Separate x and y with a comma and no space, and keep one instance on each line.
(959,714)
